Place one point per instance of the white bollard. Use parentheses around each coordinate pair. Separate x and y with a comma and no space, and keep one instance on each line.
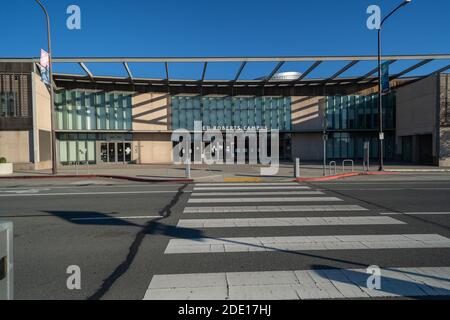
(297,168)
(188,169)
(6,261)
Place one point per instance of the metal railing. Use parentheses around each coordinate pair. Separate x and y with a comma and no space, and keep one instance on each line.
(334,164)
(348,161)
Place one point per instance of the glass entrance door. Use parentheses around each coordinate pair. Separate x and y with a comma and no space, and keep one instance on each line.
(120,152)
(127,152)
(115,152)
(112,152)
(104,152)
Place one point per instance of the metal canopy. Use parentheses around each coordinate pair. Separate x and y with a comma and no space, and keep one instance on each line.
(269,84)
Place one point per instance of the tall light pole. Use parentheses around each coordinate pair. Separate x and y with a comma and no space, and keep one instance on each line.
(380,93)
(52,106)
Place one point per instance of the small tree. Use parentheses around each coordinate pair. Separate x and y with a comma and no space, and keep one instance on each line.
(3,160)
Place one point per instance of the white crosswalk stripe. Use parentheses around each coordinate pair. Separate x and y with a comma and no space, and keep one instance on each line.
(290,187)
(318,211)
(273,199)
(248,209)
(299,285)
(287,222)
(262,244)
(256,193)
(271,184)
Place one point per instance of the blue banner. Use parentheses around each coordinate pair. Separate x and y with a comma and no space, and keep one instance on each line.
(385,84)
(45,75)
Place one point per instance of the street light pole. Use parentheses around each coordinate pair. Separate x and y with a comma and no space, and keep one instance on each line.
(380,93)
(52,106)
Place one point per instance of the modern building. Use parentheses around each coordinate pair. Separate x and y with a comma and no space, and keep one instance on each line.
(106,119)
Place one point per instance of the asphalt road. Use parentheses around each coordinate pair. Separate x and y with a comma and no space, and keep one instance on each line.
(118,233)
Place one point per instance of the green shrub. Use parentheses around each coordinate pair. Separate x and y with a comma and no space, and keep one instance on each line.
(3,160)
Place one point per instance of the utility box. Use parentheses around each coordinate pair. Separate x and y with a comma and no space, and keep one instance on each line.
(6,261)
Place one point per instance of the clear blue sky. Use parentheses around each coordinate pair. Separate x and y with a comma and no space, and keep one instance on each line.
(223,28)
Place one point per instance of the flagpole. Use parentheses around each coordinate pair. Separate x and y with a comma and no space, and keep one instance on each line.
(52,105)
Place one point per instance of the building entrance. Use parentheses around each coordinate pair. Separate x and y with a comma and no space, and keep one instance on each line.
(115,152)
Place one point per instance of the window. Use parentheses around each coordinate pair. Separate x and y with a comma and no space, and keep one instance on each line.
(87,110)
(242,112)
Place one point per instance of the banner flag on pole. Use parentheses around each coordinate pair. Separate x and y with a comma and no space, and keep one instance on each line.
(385,83)
(45,67)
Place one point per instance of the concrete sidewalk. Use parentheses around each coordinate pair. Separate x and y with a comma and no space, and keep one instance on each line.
(215,173)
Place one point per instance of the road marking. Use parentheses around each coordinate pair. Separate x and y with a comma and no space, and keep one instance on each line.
(300,285)
(287,222)
(274,199)
(306,243)
(242,179)
(113,218)
(414,213)
(384,189)
(146,185)
(300,208)
(33,191)
(85,193)
(258,193)
(251,188)
(246,184)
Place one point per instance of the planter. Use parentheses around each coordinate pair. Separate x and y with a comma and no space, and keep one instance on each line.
(6,169)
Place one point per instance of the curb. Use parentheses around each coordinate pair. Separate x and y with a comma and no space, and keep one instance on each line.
(107,176)
(418,170)
(343,175)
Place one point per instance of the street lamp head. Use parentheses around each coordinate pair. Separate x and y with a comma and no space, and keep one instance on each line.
(406,2)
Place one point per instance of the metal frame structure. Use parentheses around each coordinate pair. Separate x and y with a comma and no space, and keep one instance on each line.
(303,86)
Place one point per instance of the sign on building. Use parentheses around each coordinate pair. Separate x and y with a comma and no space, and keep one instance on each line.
(45,67)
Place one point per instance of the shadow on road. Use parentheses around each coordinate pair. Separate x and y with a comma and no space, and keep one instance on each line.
(390,286)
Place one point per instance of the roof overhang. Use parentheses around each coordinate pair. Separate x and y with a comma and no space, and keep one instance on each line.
(333,84)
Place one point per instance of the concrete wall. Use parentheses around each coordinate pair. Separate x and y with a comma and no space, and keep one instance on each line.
(307,146)
(307,125)
(444,130)
(416,113)
(14,146)
(150,148)
(307,114)
(41,122)
(150,112)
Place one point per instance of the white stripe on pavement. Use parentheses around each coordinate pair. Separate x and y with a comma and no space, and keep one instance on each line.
(301,208)
(274,199)
(413,213)
(287,222)
(300,285)
(246,184)
(85,193)
(306,243)
(258,193)
(251,188)
(112,218)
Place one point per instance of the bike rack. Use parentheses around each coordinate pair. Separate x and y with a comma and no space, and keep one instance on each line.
(333,163)
(348,161)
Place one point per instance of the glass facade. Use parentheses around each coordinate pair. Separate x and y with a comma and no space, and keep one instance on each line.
(86,147)
(353,120)
(88,110)
(359,112)
(236,112)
